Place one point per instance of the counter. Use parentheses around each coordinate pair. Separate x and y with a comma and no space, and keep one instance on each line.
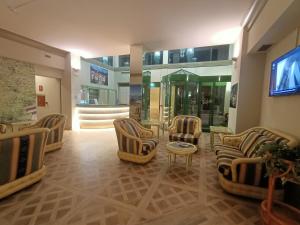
(100,116)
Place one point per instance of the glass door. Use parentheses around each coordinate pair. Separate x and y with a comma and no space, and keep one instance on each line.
(205,106)
(214,101)
(192,99)
(155,101)
(221,94)
(177,98)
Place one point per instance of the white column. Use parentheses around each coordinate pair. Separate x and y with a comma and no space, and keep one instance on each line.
(66,95)
(165,57)
(136,81)
(116,61)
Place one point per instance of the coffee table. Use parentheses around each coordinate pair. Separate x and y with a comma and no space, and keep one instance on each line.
(183,149)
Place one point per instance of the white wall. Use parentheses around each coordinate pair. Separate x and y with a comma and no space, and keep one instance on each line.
(82,77)
(15,50)
(156,75)
(51,91)
(269,15)
(281,112)
(247,73)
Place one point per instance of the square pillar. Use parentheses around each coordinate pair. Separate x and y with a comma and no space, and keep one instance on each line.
(136,82)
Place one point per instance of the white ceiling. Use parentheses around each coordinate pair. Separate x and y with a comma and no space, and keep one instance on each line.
(108,27)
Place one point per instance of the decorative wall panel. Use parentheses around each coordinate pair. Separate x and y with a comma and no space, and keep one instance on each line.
(17,90)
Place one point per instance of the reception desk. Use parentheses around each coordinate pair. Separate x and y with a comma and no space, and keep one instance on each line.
(100,116)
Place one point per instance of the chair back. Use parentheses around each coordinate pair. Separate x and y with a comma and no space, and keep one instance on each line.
(187,124)
(21,153)
(278,136)
(126,127)
(52,120)
(56,124)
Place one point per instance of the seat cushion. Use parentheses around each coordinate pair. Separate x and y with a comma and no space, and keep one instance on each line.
(186,125)
(149,145)
(225,155)
(189,138)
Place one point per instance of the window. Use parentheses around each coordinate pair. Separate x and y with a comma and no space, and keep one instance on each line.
(153,58)
(107,60)
(201,54)
(124,60)
(174,56)
(220,52)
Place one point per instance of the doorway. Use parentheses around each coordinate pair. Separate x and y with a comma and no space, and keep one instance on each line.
(155,101)
(123,93)
(48,95)
(207,97)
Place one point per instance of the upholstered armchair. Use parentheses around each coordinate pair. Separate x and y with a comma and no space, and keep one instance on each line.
(186,129)
(21,159)
(240,170)
(136,143)
(56,124)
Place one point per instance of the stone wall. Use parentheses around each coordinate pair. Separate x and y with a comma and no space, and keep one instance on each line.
(17,90)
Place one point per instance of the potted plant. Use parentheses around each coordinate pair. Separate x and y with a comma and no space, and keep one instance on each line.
(275,156)
(284,163)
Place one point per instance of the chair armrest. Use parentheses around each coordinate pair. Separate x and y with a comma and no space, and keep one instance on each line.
(144,132)
(172,127)
(33,126)
(231,140)
(197,134)
(241,166)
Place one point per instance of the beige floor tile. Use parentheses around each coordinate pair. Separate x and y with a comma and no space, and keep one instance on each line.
(86,184)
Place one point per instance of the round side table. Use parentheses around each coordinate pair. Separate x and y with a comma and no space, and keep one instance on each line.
(181,148)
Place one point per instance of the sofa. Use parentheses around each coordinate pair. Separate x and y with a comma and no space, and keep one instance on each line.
(21,159)
(136,143)
(56,124)
(240,170)
(186,129)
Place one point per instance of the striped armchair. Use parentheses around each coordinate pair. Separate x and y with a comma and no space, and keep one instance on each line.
(21,159)
(240,171)
(186,129)
(136,143)
(56,124)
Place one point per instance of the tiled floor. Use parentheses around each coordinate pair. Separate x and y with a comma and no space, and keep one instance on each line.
(86,184)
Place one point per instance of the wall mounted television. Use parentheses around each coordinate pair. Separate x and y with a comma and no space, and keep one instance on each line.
(285,74)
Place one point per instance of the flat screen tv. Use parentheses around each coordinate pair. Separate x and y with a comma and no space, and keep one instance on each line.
(285,74)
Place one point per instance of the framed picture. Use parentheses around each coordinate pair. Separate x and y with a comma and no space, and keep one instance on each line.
(233,95)
(98,75)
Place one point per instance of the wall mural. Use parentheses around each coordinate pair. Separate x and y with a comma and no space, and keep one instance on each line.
(98,75)
(17,90)
(233,95)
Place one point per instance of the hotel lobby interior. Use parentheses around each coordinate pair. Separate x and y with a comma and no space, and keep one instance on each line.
(143,112)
